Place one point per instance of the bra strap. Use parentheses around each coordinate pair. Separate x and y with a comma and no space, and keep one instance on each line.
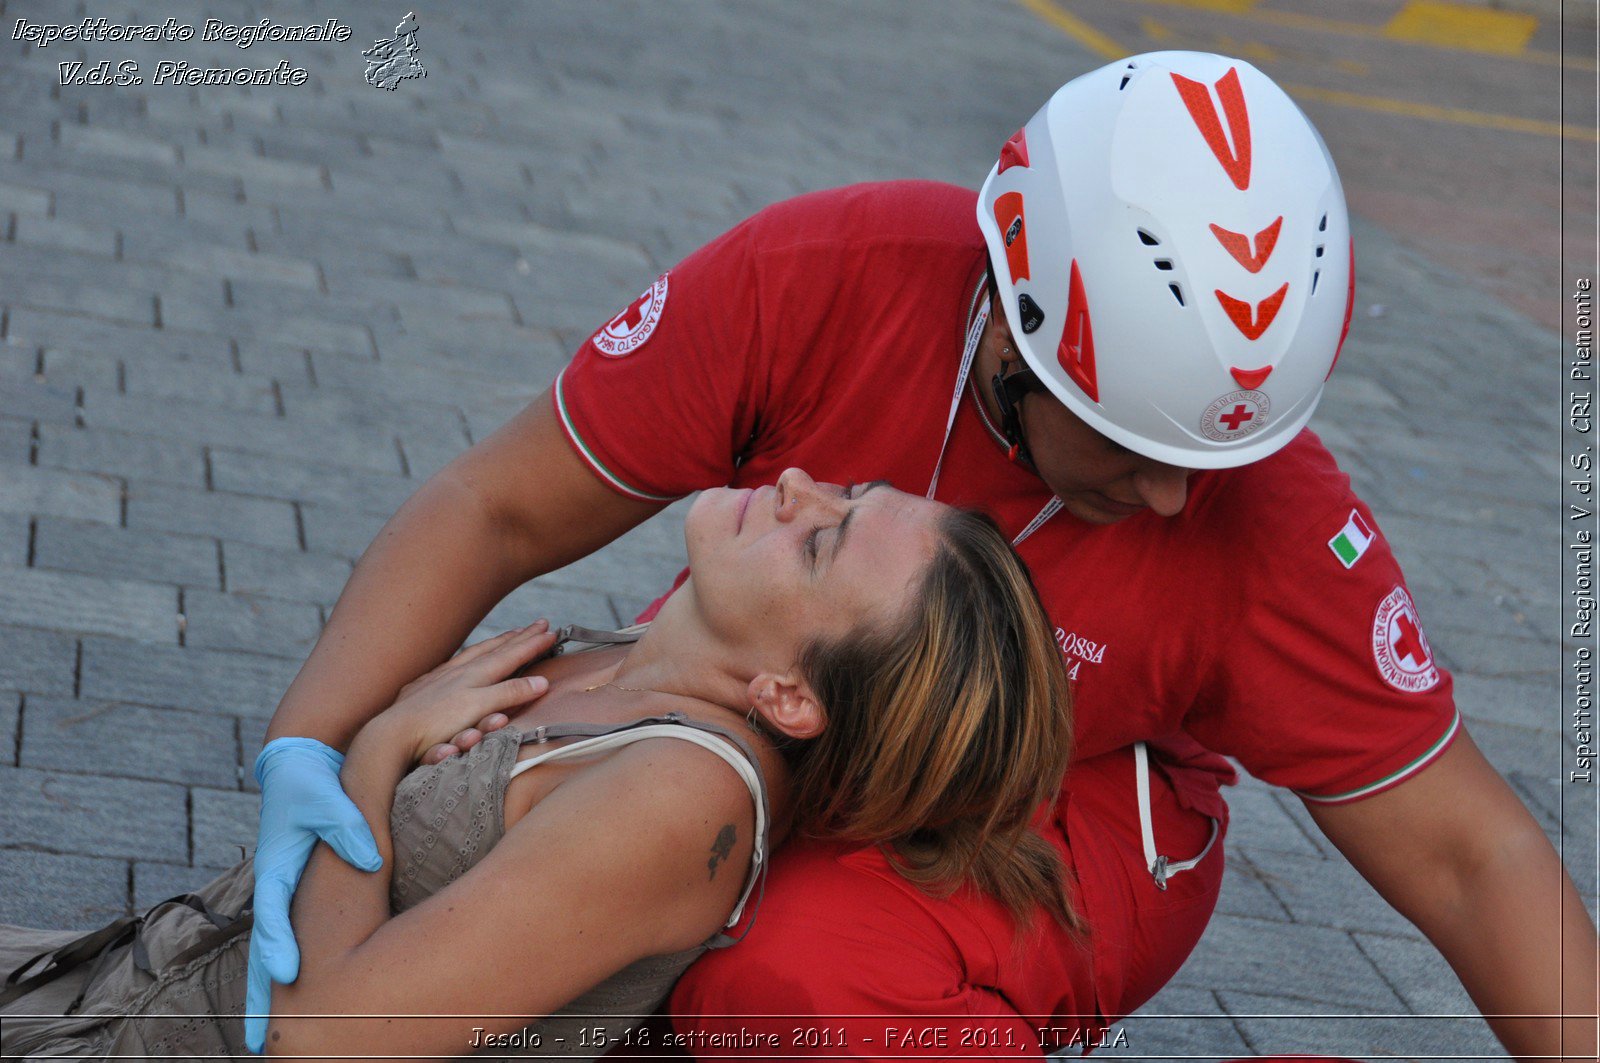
(759,856)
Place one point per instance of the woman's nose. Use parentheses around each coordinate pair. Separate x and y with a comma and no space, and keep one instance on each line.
(796,491)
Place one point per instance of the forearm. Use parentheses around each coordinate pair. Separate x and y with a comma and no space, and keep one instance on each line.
(433,572)
(1522,943)
(338,907)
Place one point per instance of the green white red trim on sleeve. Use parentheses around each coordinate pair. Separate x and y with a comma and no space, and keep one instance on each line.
(589,457)
(1395,777)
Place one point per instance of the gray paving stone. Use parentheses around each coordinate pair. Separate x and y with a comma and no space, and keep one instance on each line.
(25,489)
(1180,1022)
(350,445)
(250,624)
(1330,893)
(1257,820)
(119,304)
(119,144)
(1419,974)
(254,520)
(122,455)
(29,398)
(224,823)
(1312,963)
(541,598)
(71,236)
(188,315)
(70,369)
(221,388)
(298,480)
(16,440)
(215,681)
(59,891)
(70,602)
(288,574)
(1343,1032)
(107,550)
(339,530)
(93,815)
(156,882)
(10,724)
(22,199)
(128,741)
(252,737)
(1245,892)
(34,660)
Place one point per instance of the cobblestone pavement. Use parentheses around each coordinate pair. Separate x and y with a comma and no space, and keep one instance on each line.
(241,325)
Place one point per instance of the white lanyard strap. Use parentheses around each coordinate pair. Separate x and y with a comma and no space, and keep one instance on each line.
(974,334)
(968,354)
(1161,867)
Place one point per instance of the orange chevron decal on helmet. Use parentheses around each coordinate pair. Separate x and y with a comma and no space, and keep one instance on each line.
(1250,379)
(1196,97)
(1015,152)
(1240,311)
(1076,353)
(1014,230)
(1238,245)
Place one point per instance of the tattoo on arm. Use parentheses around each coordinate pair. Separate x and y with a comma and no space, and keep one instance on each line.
(722,848)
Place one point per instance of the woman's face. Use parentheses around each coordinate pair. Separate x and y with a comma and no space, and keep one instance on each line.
(777,567)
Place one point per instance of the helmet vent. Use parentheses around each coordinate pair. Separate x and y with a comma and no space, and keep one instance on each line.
(1127,77)
(1164,263)
(1148,240)
(1177,293)
(1314,278)
(1319,250)
(1322,226)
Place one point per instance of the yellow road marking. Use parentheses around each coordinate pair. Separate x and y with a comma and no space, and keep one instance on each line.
(1233,7)
(1077,29)
(1474,29)
(1108,48)
(1156,31)
(1318,24)
(1454,115)
(1254,51)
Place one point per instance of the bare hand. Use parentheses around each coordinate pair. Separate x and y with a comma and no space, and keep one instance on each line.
(466,739)
(467,692)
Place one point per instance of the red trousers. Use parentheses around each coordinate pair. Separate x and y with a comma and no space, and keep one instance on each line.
(845,957)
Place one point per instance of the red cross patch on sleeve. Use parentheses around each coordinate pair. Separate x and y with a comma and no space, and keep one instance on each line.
(1405,660)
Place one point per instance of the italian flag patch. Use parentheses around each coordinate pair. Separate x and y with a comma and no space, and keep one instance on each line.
(1352,540)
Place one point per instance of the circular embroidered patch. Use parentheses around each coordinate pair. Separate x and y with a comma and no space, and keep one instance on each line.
(629,330)
(1235,415)
(1404,657)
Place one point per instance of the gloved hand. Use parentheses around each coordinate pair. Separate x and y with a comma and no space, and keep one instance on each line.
(301,801)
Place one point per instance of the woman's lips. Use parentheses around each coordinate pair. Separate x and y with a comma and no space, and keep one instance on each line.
(744,504)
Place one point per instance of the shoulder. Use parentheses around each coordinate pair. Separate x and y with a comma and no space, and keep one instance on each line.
(877,212)
(681,819)
(1273,507)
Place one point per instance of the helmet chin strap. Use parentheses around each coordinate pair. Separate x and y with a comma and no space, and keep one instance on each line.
(1008,392)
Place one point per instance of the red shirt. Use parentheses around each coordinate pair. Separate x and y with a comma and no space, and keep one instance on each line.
(826,333)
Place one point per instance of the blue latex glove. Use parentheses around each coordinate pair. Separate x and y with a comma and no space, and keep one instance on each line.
(301,801)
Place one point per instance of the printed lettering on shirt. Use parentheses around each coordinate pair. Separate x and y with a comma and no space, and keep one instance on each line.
(629,330)
(1405,660)
(1077,650)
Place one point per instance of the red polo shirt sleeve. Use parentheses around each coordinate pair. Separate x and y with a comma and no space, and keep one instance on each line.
(662,398)
(1326,682)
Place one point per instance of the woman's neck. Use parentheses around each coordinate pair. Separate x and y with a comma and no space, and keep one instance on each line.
(677,655)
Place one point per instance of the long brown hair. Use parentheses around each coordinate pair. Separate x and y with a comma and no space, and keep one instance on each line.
(947,733)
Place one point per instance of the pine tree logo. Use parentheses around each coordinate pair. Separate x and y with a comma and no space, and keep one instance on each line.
(394,60)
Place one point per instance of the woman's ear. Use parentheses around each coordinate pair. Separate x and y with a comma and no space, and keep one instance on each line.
(788,705)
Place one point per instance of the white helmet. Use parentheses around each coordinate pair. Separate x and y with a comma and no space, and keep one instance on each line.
(1170,243)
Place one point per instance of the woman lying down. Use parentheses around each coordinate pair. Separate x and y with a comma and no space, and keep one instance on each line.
(858,664)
